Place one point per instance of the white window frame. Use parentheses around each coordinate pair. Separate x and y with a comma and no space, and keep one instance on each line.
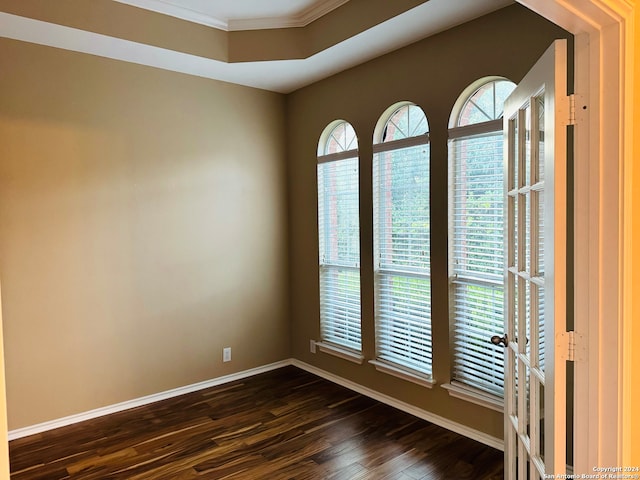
(470,386)
(387,360)
(340,310)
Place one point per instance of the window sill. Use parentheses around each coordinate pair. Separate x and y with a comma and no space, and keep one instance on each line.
(340,352)
(473,395)
(422,380)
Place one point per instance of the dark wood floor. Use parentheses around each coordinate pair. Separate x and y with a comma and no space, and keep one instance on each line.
(285,424)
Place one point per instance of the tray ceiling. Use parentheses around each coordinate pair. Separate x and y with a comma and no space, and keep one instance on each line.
(242,14)
(122,39)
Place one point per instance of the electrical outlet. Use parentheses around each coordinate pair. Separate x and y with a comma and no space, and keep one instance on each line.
(312,346)
(226,354)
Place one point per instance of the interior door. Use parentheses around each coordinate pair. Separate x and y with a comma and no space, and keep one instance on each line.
(535,120)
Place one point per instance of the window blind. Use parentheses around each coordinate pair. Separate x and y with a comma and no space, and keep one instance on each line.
(402,254)
(339,251)
(476,236)
(477,260)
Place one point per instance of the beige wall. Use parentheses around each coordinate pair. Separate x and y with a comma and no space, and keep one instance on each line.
(431,73)
(143,228)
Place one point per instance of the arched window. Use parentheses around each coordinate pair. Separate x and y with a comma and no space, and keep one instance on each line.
(339,236)
(476,230)
(402,243)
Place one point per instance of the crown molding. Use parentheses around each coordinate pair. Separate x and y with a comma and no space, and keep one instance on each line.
(167,8)
(319,9)
(301,19)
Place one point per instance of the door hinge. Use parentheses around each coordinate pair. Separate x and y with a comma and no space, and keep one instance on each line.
(571,345)
(577,108)
(572,109)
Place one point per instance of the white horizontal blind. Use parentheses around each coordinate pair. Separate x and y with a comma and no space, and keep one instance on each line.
(476,239)
(478,261)
(402,253)
(339,248)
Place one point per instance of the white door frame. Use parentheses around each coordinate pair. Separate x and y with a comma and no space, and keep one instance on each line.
(604,84)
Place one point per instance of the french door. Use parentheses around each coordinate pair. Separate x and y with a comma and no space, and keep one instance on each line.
(536,115)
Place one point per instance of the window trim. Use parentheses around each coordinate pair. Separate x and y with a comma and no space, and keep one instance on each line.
(462,391)
(403,373)
(340,352)
(466,131)
(401,143)
(334,157)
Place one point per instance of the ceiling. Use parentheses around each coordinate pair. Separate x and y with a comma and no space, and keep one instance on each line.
(282,74)
(242,14)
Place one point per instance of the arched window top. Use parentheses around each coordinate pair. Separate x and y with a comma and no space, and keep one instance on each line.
(401,121)
(481,102)
(338,137)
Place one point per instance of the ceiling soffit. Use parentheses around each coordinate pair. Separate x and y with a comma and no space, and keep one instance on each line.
(280,60)
(119,19)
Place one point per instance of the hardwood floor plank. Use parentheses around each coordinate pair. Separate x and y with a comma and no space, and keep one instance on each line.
(285,424)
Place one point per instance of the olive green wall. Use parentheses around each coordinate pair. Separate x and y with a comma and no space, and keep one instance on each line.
(143,227)
(432,73)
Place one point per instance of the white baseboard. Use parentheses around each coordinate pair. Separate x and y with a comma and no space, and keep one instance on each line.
(403,406)
(138,402)
(477,435)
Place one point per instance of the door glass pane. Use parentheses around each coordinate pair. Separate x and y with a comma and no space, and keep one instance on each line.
(527,232)
(513,328)
(521,150)
(527,402)
(527,329)
(521,232)
(534,132)
(513,141)
(522,323)
(541,328)
(525,315)
(534,225)
(527,152)
(540,102)
(534,334)
(540,271)
(541,412)
(514,229)
(515,363)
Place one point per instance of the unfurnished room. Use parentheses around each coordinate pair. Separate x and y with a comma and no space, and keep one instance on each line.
(303,239)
